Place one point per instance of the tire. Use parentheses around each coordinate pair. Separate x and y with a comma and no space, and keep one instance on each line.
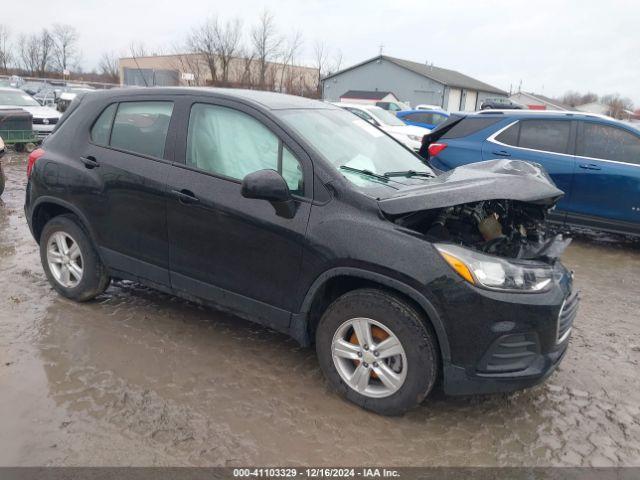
(485,107)
(2,179)
(93,279)
(382,310)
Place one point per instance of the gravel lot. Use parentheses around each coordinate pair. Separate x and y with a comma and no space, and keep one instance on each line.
(141,378)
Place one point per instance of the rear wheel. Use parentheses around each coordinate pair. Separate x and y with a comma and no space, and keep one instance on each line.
(376,351)
(70,260)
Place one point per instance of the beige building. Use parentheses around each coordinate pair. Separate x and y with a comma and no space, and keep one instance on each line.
(193,69)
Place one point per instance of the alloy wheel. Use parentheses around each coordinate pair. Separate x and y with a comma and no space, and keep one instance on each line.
(65,259)
(369,357)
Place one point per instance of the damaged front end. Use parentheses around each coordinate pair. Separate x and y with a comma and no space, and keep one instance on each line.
(497,207)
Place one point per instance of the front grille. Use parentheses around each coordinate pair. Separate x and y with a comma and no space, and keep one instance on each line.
(567,315)
(41,121)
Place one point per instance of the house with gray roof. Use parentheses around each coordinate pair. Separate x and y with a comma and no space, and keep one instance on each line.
(412,82)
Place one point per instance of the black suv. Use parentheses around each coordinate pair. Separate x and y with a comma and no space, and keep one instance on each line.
(501,103)
(303,217)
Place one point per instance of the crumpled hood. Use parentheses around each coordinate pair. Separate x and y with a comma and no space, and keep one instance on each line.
(488,180)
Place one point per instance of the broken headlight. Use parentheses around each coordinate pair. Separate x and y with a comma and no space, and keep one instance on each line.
(496,273)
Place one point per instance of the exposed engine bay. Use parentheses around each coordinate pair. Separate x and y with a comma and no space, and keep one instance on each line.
(506,228)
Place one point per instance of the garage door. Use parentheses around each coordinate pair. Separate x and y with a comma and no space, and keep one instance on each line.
(454,100)
(470,101)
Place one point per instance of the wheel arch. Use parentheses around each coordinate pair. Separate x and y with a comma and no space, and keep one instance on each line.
(47,208)
(338,281)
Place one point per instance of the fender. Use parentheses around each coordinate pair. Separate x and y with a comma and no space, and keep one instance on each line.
(46,199)
(300,321)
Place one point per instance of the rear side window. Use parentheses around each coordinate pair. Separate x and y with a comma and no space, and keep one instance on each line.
(546,135)
(471,125)
(141,127)
(102,127)
(608,143)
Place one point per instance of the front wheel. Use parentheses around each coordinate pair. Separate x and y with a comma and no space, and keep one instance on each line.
(70,260)
(376,350)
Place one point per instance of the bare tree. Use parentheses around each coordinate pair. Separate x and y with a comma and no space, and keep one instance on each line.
(618,105)
(35,52)
(290,49)
(573,99)
(336,63)
(65,47)
(247,75)
(320,59)
(109,67)
(203,40)
(6,55)
(138,49)
(266,44)
(227,43)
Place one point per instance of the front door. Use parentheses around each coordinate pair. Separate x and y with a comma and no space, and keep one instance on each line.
(225,248)
(606,186)
(127,159)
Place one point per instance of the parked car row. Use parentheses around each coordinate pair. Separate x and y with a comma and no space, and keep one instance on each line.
(409,135)
(44,118)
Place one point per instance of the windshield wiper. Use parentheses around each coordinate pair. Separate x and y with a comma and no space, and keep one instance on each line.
(409,173)
(364,172)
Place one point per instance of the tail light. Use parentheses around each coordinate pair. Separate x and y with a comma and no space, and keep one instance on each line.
(436,148)
(33,156)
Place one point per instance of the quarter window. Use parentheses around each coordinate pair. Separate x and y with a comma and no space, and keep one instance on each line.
(141,127)
(608,143)
(233,144)
(102,127)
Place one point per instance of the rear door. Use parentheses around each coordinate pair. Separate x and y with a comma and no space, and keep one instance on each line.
(128,155)
(549,142)
(606,187)
(226,248)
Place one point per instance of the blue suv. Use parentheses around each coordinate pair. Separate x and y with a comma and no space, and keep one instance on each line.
(594,159)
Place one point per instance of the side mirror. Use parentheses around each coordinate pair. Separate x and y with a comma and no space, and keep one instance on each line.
(270,186)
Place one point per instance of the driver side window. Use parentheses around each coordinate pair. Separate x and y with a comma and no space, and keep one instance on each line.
(227,142)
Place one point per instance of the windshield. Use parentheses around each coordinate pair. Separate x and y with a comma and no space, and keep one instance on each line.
(18,99)
(386,118)
(346,140)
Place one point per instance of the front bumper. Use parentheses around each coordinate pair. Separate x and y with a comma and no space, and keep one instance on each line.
(501,342)
(42,131)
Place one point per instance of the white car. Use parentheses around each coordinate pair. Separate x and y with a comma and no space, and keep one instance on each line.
(426,106)
(409,135)
(44,118)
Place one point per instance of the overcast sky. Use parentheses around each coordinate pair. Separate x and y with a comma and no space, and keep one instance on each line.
(551,46)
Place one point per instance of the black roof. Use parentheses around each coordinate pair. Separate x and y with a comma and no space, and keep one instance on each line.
(444,76)
(268,100)
(366,94)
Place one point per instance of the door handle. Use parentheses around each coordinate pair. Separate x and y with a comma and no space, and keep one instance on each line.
(89,161)
(590,166)
(501,153)
(185,196)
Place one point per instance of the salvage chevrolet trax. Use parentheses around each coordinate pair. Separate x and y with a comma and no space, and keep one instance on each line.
(301,216)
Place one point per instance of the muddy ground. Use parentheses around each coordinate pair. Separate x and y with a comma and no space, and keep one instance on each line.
(141,378)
